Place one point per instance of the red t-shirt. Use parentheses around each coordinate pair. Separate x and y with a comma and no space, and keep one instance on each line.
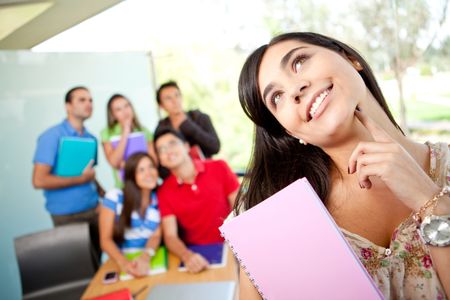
(200,208)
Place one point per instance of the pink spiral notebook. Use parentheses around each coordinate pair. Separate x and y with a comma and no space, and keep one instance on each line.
(291,248)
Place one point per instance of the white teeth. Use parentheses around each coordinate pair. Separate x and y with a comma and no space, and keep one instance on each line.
(317,102)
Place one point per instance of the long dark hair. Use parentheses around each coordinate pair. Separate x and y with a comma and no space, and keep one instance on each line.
(279,159)
(110,117)
(131,195)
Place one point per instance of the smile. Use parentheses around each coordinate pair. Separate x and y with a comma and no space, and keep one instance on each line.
(317,102)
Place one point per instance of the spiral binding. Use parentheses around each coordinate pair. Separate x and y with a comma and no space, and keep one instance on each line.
(244,267)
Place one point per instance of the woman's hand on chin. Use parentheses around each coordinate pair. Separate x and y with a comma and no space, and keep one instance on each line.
(389,161)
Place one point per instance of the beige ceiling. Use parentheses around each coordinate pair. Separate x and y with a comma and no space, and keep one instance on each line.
(26,23)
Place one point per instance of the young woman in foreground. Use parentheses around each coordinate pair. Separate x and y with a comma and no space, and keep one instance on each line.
(320,114)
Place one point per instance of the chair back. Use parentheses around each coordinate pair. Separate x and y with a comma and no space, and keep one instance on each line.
(54,260)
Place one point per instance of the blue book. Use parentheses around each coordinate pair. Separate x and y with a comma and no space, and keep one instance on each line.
(74,154)
(215,254)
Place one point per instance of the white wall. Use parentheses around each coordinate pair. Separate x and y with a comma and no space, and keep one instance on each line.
(32,89)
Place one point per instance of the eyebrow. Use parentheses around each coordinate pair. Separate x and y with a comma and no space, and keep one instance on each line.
(283,63)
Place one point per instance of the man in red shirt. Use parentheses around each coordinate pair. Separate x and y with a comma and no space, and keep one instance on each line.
(194,200)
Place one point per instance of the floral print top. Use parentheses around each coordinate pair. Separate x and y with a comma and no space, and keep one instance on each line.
(405,269)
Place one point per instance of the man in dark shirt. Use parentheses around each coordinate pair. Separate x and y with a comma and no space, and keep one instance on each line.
(195,126)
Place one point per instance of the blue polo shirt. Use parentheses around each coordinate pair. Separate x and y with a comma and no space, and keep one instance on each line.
(69,200)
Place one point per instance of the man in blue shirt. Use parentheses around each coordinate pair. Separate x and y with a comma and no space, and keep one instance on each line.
(68,199)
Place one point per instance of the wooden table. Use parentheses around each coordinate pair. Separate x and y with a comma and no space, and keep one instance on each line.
(97,288)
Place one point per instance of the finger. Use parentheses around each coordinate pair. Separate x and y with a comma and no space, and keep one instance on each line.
(365,160)
(376,131)
(197,263)
(200,263)
(370,170)
(368,147)
(194,268)
(191,266)
(205,262)
(133,271)
(89,165)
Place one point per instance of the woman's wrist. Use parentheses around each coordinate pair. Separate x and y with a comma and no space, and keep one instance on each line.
(186,255)
(443,206)
(148,253)
(145,256)
(437,204)
(122,263)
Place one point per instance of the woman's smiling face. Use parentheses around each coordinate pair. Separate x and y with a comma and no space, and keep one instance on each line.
(312,91)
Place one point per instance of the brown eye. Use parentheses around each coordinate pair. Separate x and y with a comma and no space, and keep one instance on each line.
(297,66)
(276,98)
(298,62)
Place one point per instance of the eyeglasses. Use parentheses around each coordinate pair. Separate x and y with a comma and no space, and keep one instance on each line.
(170,145)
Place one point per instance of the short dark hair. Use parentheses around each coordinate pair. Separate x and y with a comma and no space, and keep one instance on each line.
(167,84)
(68,97)
(160,133)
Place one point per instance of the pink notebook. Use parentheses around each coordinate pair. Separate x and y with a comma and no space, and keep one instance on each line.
(291,248)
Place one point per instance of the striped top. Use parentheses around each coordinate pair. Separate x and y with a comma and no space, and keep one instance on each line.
(141,230)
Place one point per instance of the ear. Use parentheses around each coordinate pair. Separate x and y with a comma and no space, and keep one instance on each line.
(68,105)
(355,63)
(187,148)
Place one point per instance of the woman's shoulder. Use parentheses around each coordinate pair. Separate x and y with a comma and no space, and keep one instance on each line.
(104,134)
(196,113)
(107,133)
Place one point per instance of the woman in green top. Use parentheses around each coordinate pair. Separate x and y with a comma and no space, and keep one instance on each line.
(122,121)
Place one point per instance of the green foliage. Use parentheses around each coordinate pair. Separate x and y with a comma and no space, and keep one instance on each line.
(395,28)
(426,70)
(428,111)
(438,56)
(424,111)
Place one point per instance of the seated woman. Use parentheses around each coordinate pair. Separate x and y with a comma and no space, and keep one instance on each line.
(129,218)
(122,121)
(320,114)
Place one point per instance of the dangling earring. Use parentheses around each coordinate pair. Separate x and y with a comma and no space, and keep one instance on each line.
(301,141)
(159,181)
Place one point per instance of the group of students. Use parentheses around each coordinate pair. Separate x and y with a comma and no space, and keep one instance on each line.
(185,208)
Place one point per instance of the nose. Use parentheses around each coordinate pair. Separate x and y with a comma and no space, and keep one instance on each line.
(298,90)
